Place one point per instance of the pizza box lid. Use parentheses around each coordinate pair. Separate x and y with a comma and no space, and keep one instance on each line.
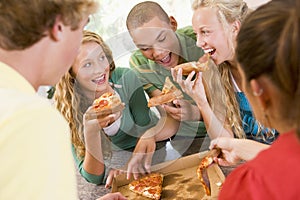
(180,179)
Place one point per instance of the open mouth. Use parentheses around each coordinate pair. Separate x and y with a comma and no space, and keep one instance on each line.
(210,51)
(165,60)
(100,80)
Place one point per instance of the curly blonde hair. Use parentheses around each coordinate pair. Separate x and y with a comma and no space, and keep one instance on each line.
(72,103)
(228,12)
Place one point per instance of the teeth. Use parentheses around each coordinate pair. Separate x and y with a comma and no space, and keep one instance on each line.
(208,50)
(165,58)
(99,79)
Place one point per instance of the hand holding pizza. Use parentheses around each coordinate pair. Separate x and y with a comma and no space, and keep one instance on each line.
(194,88)
(92,118)
(234,150)
(106,109)
(182,110)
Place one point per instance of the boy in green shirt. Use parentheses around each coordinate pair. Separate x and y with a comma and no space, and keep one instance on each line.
(162,47)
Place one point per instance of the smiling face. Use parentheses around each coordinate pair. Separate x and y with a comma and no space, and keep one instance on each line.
(91,68)
(158,42)
(211,36)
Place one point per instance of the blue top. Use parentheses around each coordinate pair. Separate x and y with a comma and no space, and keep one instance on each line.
(252,128)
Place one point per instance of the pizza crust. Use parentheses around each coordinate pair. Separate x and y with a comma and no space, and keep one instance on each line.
(202,169)
(199,66)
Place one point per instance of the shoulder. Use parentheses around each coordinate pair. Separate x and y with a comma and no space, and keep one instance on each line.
(138,60)
(31,109)
(187,32)
(122,72)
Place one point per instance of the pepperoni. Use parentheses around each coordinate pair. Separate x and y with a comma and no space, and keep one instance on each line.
(108,94)
(102,103)
(152,191)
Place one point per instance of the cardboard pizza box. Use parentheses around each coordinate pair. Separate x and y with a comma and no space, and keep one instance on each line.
(180,180)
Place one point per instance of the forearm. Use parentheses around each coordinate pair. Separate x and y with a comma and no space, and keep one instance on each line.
(247,149)
(164,129)
(215,126)
(93,162)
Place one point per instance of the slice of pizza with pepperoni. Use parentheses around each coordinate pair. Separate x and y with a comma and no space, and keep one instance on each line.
(169,93)
(149,186)
(107,103)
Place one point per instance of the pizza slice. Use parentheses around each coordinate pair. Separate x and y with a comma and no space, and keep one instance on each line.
(200,66)
(108,103)
(149,186)
(169,93)
(202,169)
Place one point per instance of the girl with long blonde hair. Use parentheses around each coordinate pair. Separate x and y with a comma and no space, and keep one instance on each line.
(216,35)
(92,74)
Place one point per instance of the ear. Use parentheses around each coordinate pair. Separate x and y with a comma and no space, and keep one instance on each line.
(57,30)
(260,93)
(236,26)
(173,23)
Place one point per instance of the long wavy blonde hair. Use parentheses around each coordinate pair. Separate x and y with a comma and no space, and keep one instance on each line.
(72,103)
(228,12)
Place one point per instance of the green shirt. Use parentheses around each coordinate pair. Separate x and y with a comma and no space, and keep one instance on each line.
(153,75)
(136,117)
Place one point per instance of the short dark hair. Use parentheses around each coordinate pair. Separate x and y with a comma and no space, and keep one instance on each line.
(144,12)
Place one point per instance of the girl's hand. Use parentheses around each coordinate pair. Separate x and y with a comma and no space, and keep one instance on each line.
(226,144)
(95,121)
(112,174)
(194,88)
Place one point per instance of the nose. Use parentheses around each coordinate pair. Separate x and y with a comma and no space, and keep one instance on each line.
(157,52)
(99,68)
(200,41)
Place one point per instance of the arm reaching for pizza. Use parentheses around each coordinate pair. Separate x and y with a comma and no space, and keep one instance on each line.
(235,150)
(141,160)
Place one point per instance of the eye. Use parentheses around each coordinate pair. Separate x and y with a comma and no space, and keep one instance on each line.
(87,64)
(161,39)
(102,57)
(204,32)
(144,49)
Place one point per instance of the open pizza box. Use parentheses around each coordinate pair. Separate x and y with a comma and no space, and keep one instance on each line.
(180,180)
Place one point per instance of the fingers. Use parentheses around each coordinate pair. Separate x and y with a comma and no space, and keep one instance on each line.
(225,143)
(137,166)
(173,111)
(112,174)
(177,75)
(106,121)
(113,196)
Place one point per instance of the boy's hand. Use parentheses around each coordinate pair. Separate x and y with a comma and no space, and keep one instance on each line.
(183,110)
